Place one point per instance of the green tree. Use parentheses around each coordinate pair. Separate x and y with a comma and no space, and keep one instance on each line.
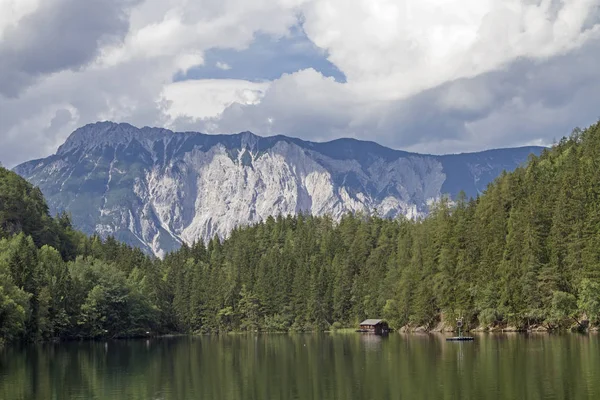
(588,302)
(14,307)
(249,311)
(564,307)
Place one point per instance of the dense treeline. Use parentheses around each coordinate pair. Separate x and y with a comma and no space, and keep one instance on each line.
(55,282)
(526,252)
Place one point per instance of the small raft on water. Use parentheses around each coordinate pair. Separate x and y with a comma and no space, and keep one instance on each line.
(460,339)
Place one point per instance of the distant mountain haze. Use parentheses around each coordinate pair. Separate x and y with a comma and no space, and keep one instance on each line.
(156,189)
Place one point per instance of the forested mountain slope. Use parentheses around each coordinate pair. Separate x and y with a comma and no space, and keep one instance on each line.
(526,252)
(56,282)
(156,189)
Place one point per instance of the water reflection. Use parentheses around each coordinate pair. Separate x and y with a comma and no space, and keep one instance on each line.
(371,342)
(341,366)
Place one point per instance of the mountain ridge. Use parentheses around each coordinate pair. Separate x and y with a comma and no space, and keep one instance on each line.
(319,145)
(155,188)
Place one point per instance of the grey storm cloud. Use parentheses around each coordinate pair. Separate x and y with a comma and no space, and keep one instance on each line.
(526,101)
(59,35)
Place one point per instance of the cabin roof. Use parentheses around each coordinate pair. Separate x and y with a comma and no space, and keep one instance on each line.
(371,322)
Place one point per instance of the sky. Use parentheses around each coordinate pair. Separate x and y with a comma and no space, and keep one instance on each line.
(430,76)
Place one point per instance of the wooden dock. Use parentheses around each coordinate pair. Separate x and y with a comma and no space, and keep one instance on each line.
(460,339)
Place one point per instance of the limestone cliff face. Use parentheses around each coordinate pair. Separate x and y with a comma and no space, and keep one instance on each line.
(156,189)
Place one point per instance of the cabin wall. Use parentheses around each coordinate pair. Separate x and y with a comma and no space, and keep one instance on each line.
(377,329)
(370,328)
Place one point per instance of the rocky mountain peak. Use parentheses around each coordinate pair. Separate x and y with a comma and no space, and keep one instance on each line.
(107,133)
(157,189)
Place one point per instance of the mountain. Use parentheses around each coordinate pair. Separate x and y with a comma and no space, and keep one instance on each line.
(154,188)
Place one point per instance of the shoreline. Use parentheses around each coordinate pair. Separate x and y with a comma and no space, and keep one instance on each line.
(342,331)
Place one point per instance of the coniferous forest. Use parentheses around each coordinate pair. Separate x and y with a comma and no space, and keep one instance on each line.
(524,253)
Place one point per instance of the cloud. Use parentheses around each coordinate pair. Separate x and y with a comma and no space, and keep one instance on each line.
(223,66)
(27,129)
(123,80)
(526,102)
(424,75)
(182,26)
(184,62)
(208,98)
(57,35)
(266,58)
(436,76)
(12,11)
(405,46)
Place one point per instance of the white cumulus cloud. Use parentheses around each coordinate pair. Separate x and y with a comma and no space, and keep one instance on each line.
(208,98)
(425,75)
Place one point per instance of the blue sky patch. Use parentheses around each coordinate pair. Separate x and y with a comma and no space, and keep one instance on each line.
(266,59)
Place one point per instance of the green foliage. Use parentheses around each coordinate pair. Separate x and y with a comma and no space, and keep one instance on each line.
(391,312)
(249,309)
(525,252)
(515,255)
(337,325)
(14,307)
(563,308)
(589,299)
(45,293)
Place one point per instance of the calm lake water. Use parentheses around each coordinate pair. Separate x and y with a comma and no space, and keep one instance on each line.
(336,366)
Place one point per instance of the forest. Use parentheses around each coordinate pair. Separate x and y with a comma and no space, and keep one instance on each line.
(525,253)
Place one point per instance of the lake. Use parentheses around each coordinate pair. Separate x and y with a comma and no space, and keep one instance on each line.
(310,366)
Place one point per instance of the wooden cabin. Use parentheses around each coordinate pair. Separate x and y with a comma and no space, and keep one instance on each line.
(376,326)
